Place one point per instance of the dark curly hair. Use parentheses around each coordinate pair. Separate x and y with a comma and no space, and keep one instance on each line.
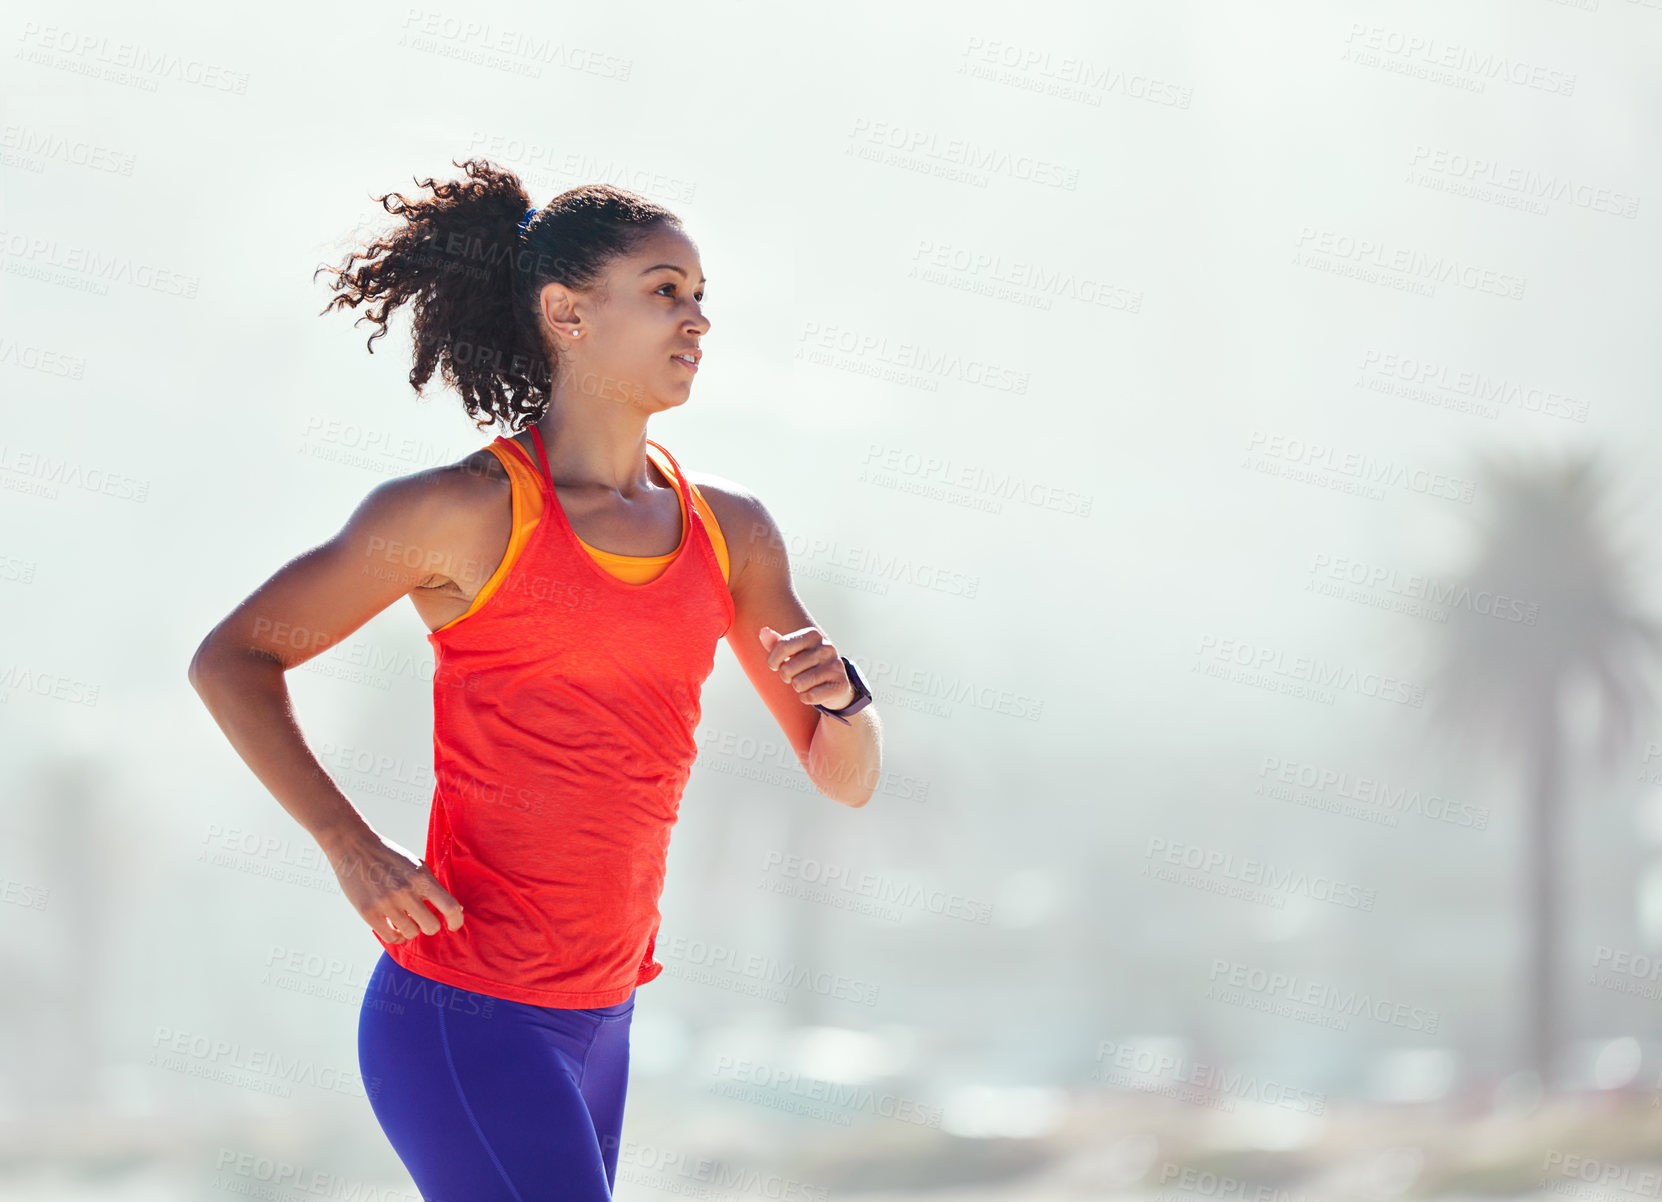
(473,280)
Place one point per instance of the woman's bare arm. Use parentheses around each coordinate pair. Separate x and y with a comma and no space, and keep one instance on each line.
(408,533)
(844,760)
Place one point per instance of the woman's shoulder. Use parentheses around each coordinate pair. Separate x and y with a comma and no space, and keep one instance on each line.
(731,502)
(746,524)
(454,496)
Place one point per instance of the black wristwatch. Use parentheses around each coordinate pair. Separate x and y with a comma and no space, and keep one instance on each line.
(862,695)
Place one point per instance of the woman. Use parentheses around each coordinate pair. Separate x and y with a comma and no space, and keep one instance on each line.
(574,582)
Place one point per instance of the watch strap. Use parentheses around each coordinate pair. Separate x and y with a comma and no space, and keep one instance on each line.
(862,695)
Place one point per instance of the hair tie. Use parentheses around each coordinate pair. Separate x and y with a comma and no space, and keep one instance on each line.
(525,222)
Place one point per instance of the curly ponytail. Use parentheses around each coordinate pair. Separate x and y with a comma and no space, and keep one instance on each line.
(472,280)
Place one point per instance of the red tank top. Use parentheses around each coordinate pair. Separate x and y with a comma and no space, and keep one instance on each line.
(564,712)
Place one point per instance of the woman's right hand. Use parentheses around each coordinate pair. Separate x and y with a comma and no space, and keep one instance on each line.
(390,888)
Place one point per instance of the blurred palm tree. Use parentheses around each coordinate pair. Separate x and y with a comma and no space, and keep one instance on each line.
(1549,615)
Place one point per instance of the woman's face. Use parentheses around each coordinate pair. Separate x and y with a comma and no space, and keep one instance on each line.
(644,312)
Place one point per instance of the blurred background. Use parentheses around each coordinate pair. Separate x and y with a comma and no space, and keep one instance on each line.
(1222,435)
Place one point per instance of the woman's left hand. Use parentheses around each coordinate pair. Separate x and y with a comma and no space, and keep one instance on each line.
(807,661)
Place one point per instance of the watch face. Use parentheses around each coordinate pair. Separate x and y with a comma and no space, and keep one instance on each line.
(862,695)
(860,689)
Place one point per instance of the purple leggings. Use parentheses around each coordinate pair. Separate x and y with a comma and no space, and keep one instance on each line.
(487,1100)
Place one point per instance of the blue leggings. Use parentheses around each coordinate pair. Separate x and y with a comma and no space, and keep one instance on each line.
(487,1100)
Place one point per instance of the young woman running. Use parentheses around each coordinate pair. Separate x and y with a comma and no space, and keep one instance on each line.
(574,581)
